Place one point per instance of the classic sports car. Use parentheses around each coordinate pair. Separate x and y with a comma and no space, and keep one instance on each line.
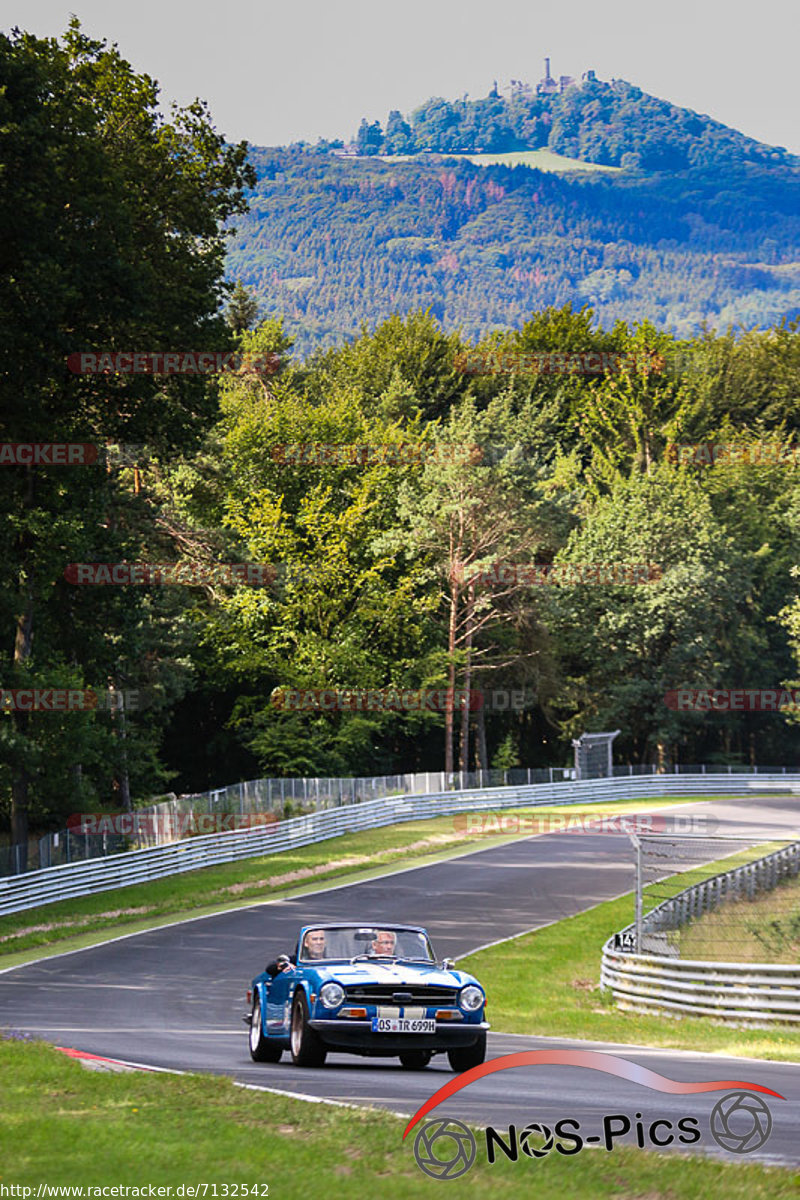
(375,990)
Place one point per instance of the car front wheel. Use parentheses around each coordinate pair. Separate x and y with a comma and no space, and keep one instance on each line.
(307,1048)
(261,1048)
(462,1058)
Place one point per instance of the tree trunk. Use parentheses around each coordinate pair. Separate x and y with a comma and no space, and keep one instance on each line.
(122,784)
(451,677)
(23,641)
(467,699)
(480,734)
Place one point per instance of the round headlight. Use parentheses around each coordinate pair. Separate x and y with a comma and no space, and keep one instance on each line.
(471,997)
(331,994)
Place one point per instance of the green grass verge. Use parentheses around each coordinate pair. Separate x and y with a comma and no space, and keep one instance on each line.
(71,924)
(547,983)
(66,1126)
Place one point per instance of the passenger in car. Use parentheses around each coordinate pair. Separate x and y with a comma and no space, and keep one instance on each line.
(385,942)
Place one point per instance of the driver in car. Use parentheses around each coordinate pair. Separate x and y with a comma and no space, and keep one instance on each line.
(313,944)
(385,942)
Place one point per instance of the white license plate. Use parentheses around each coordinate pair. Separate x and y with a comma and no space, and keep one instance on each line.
(403,1025)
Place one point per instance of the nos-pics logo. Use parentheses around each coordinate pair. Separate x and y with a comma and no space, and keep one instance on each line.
(740,1122)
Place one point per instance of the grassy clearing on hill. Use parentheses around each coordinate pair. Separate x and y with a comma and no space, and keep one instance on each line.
(66,1126)
(543,160)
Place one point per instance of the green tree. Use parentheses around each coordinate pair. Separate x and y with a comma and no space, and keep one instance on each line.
(345,612)
(624,647)
(242,308)
(113,220)
(369,138)
(459,519)
(398,138)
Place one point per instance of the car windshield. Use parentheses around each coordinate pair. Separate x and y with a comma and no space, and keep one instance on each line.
(371,941)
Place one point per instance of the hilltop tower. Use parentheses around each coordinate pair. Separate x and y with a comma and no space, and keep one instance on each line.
(546,86)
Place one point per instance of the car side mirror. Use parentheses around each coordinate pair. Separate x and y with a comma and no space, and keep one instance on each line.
(449,964)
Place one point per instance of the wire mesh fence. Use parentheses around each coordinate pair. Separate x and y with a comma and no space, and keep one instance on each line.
(242,806)
(731,898)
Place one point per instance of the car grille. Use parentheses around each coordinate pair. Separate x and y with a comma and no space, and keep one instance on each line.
(389,993)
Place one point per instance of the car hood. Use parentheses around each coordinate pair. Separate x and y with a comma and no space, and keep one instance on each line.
(397,974)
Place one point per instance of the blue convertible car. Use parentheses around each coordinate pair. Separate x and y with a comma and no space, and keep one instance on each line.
(374,990)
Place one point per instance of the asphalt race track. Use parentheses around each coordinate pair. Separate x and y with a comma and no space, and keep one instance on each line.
(174,997)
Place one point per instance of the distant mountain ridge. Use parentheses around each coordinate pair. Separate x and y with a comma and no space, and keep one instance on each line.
(712,235)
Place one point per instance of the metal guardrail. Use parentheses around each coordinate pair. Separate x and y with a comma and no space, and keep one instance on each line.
(160,823)
(20,892)
(741,992)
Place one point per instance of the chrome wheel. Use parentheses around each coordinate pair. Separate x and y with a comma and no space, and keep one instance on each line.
(307,1048)
(296,1036)
(262,1048)
(255,1026)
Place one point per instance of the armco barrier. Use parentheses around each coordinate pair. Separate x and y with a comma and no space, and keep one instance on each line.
(19,892)
(746,993)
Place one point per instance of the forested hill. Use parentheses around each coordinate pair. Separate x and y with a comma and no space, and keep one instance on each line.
(615,124)
(332,243)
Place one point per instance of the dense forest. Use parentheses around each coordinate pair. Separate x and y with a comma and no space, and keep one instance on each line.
(384,563)
(330,244)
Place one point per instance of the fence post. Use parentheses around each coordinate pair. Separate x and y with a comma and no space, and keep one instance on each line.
(638,892)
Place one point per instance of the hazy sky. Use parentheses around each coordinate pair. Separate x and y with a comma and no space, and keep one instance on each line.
(276,71)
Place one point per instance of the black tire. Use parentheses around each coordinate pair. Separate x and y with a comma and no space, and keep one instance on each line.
(416,1060)
(261,1048)
(463,1058)
(307,1048)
